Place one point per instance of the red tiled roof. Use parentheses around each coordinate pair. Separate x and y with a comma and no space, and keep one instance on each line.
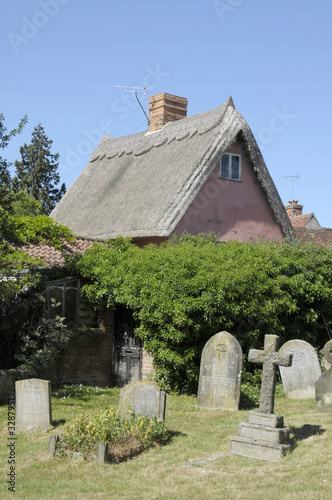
(301,220)
(52,257)
(319,236)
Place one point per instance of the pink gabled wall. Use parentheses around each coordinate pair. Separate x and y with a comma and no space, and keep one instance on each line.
(236,210)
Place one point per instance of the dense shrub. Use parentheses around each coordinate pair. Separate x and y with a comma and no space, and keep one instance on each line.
(29,337)
(129,432)
(190,288)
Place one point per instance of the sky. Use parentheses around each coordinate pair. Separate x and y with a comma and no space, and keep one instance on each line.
(65,63)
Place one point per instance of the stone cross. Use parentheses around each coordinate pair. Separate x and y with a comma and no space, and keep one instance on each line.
(270,359)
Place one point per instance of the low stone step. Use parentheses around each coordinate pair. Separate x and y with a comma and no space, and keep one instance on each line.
(259,450)
(272,435)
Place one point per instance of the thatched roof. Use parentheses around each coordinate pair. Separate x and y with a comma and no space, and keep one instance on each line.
(141,185)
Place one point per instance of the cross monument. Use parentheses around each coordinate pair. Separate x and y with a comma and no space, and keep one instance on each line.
(270,359)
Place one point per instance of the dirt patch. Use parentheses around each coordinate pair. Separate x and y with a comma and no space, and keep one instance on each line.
(121,452)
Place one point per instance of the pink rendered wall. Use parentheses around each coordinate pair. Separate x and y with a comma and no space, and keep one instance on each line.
(235,210)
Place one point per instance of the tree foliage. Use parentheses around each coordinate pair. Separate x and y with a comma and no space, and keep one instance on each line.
(37,173)
(6,195)
(17,230)
(28,336)
(21,222)
(190,288)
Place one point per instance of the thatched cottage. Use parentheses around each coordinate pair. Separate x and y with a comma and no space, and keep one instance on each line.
(197,174)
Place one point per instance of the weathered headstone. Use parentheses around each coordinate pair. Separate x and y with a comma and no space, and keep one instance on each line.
(145,398)
(299,379)
(323,386)
(264,436)
(33,404)
(220,374)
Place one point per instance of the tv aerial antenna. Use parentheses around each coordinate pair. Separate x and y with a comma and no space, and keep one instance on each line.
(296,176)
(135,90)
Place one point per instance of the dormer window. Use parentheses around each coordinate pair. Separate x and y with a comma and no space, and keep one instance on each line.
(230,167)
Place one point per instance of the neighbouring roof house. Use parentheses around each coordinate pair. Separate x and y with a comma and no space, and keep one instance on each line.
(197,174)
(306,226)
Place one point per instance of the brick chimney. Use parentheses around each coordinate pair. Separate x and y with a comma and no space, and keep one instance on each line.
(294,209)
(165,108)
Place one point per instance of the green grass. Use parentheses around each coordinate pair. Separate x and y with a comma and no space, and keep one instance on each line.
(162,472)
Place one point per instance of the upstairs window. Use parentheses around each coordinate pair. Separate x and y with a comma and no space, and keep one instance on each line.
(230,167)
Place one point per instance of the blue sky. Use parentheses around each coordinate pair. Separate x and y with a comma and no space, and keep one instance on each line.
(61,60)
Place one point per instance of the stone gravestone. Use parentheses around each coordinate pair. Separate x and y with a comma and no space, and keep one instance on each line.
(299,379)
(33,403)
(145,398)
(264,436)
(220,374)
(323,387)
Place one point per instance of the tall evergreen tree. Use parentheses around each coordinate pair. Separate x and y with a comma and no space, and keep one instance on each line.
(37,173)
(5,179)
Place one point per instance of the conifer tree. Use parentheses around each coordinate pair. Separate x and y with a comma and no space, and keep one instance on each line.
(37,173)
(5,179)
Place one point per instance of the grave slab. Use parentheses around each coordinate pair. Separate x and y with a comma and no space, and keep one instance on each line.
(299,379)
(220,374)
(33,404)
(145,398)
(323,386)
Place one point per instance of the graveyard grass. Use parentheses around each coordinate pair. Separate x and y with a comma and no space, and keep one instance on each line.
(165,472)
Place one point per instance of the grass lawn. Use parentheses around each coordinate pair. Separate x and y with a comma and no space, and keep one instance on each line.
(163,472)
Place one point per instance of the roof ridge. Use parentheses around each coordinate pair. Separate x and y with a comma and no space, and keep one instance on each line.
(144,142)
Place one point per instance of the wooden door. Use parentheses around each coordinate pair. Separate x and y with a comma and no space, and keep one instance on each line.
(127,352)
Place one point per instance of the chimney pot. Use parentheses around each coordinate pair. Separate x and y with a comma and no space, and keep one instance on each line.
(294,209)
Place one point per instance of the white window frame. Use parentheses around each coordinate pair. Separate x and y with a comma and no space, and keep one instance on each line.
(229,176)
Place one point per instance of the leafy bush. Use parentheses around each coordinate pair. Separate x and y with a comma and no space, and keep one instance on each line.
(130,431)
(192,287)
(29,338)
